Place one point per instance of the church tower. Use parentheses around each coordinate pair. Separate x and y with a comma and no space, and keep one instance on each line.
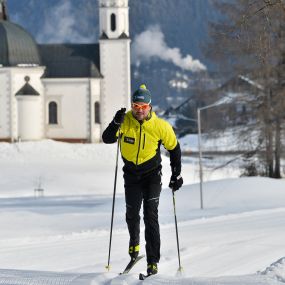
(114,58)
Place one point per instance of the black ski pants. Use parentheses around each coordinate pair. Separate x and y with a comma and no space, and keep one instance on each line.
(146,189)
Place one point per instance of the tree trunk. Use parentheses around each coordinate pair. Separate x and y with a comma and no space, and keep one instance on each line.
(277,153)
(269,135)
(269,154)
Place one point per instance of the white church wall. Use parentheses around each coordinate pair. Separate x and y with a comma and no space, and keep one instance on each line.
(115,87)
(95,126)
(29,112)
(4,104)
(72,98)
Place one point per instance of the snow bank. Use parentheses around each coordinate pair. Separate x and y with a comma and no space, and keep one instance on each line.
(276,270)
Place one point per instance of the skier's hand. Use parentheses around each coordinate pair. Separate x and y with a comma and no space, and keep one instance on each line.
(119,116)
(175,182)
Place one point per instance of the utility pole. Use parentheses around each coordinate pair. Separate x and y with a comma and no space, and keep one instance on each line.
(219,102)
(200,158)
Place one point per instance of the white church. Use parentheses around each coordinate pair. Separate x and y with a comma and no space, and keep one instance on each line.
(67,92)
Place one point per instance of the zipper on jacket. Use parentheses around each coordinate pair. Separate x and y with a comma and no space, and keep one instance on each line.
(143,140)
(139,144)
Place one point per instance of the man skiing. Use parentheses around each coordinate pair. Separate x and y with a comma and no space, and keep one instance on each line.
(141,133)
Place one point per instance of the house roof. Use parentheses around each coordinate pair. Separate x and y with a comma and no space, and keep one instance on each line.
(70,60)
(240,84)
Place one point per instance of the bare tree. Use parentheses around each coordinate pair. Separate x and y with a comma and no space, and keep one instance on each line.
(250,40)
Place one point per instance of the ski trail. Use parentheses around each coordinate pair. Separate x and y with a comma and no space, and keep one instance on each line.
(233,280)
(23,277)
(122,280)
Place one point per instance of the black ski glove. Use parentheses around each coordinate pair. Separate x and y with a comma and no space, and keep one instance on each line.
(175,182)
(119,116)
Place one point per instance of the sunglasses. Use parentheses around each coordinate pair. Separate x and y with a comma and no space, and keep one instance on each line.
(143,107)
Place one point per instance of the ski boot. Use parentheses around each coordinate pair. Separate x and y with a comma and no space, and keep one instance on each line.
(134,251)
(151,269)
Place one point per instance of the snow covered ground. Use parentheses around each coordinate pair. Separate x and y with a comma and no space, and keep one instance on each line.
(227,140)
(62,237)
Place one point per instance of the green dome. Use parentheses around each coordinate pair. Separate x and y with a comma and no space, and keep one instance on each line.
(17,46)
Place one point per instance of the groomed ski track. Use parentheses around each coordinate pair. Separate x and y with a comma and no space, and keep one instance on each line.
(71,246)
(20,277)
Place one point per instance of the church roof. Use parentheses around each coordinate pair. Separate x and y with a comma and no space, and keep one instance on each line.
(28,89)
(124,36)
(17,46)
(104,36)
(70,60)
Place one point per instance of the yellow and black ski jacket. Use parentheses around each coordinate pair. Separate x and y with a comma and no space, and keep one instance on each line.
(140,143)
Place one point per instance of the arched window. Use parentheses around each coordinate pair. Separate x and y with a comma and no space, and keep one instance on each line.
(113,22)
(97,112)
(52,113)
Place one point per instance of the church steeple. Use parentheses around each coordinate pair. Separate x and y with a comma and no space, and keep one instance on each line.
(3,11)
(115,62)
(114,19)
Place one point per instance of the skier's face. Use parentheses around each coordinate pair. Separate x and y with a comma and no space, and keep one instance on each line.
(140,110)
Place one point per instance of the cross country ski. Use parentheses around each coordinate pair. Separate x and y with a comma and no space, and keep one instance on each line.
(144,276)
(131,264)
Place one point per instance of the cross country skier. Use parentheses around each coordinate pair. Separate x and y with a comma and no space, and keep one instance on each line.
(141,134)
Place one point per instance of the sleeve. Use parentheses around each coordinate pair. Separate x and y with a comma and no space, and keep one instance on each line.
(171,143)
(175,160)
(110,134)
(168,137)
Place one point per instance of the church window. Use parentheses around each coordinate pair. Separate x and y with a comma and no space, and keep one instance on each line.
(113,22)
(52,113)
(97,112)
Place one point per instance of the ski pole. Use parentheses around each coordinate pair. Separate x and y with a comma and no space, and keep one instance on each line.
(180,269)
(113,203)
